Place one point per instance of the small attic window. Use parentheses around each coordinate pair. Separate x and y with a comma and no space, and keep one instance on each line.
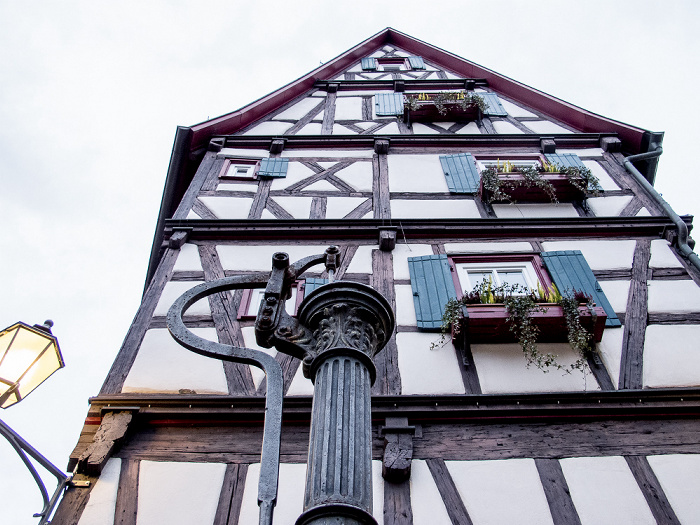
(392,63)
(239,169)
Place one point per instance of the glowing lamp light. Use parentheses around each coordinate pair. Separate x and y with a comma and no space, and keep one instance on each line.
(28,356)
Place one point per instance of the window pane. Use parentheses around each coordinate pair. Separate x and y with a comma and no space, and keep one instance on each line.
(512,277)
(476,276)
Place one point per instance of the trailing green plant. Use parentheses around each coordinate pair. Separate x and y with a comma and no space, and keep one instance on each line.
(445,101)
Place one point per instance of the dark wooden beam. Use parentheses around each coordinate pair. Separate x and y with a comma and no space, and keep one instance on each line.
(397,503)
(128,493)
(557,492)
(387,361)
(652,490)
(231,498)
(450,495)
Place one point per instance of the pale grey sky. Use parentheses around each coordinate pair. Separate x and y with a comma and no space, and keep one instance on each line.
(91,93)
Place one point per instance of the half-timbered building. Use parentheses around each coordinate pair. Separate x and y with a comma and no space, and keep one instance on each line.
(382,152)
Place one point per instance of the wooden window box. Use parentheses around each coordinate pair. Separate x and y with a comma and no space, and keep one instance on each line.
(564,190)
(427,111)
(488,323)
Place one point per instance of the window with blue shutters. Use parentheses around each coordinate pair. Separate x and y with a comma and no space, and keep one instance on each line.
(432,287)
(416,62)
(565,160)
(275,168)
(311,283)
(239,169)
(461,173)
(388,104)
(494,108)
(369,64)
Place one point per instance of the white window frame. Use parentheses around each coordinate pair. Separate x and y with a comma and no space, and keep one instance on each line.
(463,269)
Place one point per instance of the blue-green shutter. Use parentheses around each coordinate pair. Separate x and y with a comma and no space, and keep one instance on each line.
(369,64)
(461,173)
(311,283)
(273,168)
(416,62)
(494,108)
(566,160)
(570,272)
(387,104)
(432,285)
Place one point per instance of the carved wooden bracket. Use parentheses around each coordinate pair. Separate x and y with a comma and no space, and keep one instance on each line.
(107,440)
(381,146)
(387,239)
(398,449)
(399,86)
(611,144)
(548,146)
(216,144)
(277,145)
(178,238)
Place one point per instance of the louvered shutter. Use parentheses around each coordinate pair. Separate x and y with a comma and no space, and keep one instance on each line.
(570,272)
(369,64)
(387,104)
(566,160)
(432,285)
(311,283)
(416,62)
(494,108)
(273,168)
(461,173)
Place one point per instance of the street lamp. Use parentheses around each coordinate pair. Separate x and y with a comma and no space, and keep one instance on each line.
(28,356)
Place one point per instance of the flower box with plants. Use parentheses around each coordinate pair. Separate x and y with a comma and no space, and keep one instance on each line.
(443,106)
(507,182)
(514,313)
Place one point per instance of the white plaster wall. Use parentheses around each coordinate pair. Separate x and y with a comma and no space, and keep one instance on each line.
(583,152)
(501,491)
(430,209)
(610,349)
(347,108)
(296,172)
(377,492)
(505,127)
(426,371)
(503,369)
(290,495)
(162,365)
(350,153)
(230,186)
(679,476)
(259,257)
(188,259)
(228,207)
(643,213)
(426,502)
(390,129)
(416,174)
(300,386)
(671,356)
(422,129)
(298,110)
(487,247)
(405,310)
(249,341)
(662,256)
(518,211)
(312,128)
(178,493)
(270,127)
(173,290)
(102,501)
(297,207)
(470,129)
(515,110)
(604,491)
(606,182)
(608,206)
(600,255)
(339,129)
(443,125)
(616,292)
(192,215)
(267,214)
(545,126)
(359,175)
(401,254)
(339,207)
(243,152)
(673,296)
(321,185)
(358,93)
(362,260)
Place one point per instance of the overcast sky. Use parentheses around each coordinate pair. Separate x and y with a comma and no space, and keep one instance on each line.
(91,94)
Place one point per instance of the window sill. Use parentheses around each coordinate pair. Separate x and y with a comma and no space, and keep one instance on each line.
(427,111)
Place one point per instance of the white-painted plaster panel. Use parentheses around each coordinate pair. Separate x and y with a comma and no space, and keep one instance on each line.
(347,108)
(290,495)
(443,125)
(401,254)
(379,53)
(300,386)
(162,365)
(297,207)
(249,341)
(405,310)
(298,110)
(422,129)
(267,214)
(671,355)
(349,153)
(583,152)
(188,259)
(545,126)
(662,255)
(679,476)
(320,185)
(362,260)
(487,247)
(600,255)
(243,152)
(673,296)
(229,186)
(339,129)
(610,349)
(426,371)
(606,182)
(608,206)
(430,209)
(469,129)
(377,492)
(505,127)
(357,68)
(416,174)
(616,292)
(452,75)
(339,207)
(426,502)
(390,129)
(193,215)
(503,369)
(501,491)
(514,110)
(102,501)
(312,128)
(518,211)
(604,491)
(296,172)
(173,290)
(178,493)
(358,93)
(228,207)
(269,127)
(643,213)
(358,174)
(259,258)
